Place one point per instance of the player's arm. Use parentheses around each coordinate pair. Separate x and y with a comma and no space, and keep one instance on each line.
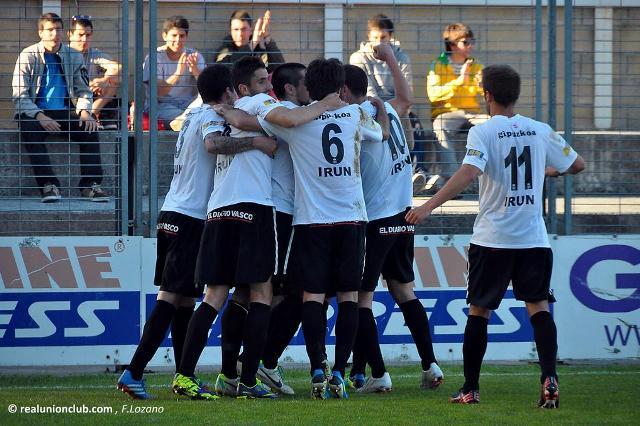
(404,96)
(287,118)
(217,143)
(465,175)
(238,118)
(381,116)
(575,168)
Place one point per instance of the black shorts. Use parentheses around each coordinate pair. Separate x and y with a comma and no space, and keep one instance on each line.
(327,258)
(282,285)
(177,247)
(389,251)
(491,270)
(238,246)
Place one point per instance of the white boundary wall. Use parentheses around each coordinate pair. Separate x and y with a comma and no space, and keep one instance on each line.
(83,300)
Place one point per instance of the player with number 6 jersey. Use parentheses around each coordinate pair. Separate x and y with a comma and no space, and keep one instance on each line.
(511,155)
(327,253)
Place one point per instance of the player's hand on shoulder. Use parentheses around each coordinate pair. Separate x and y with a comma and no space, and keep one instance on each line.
(332,101)
(265,144)
(222,109)
(377,102)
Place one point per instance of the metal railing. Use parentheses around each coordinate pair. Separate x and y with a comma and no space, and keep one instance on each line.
(594,62)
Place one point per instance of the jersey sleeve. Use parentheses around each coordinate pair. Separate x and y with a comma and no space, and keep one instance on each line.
(263,104)
(560,155)
(275,130)
(212,123)
(477,152)
(370,129)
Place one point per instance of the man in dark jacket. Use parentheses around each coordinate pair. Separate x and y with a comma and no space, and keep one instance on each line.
(240,42)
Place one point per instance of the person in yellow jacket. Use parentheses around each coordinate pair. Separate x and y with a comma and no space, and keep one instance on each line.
(454,85)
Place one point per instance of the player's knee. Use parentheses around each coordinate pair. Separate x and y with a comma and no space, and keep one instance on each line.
(479,311)
(365,299)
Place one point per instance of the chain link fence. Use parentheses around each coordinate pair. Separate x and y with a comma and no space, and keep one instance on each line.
(603,85)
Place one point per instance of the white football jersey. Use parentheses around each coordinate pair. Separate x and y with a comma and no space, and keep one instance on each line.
(193,166)
(282,175)
(386,169)
(326,164)
(245,177)
(513,153)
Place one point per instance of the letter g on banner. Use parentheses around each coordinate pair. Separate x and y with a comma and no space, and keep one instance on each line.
(580,271)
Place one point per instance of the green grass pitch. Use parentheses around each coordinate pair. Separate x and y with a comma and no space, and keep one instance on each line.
(589,394)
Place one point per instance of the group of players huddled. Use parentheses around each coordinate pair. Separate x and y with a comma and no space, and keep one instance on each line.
(320,208)
(312,211)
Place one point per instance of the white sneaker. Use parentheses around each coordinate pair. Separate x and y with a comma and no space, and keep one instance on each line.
(273,378)
(377,385)
(432,182)
(432,378)
(419,179)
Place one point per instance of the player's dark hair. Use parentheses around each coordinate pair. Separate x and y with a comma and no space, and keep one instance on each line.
(176,21)
(380,22)
(49,17)
(243,70)
(323,77)
(242,15)
(454,32)
(289,73)
(503,82)
(213,82)
(356,80)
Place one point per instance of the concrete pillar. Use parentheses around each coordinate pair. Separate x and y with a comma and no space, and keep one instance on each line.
(333,22)
(603,68)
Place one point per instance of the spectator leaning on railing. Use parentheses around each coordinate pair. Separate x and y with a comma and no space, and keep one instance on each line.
(240,42)
(454,84)
(178,67)
(103,71)
(49,80)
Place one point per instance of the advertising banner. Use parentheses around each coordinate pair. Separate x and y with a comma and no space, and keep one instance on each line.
(83,300)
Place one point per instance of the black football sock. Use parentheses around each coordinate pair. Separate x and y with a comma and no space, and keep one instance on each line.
(325,325)
(367,327)
(196,338)
(284,322)
(313,328)
(255,336)
(179,331)
(346,329)
(155,330)
(359,350)
(418,323)
(233,322)
(473,349)
(546,337)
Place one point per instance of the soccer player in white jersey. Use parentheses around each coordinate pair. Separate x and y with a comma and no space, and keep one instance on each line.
(509,243)
(180,225)
(387,186)
(240,224)
(327,253)
(289,84)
